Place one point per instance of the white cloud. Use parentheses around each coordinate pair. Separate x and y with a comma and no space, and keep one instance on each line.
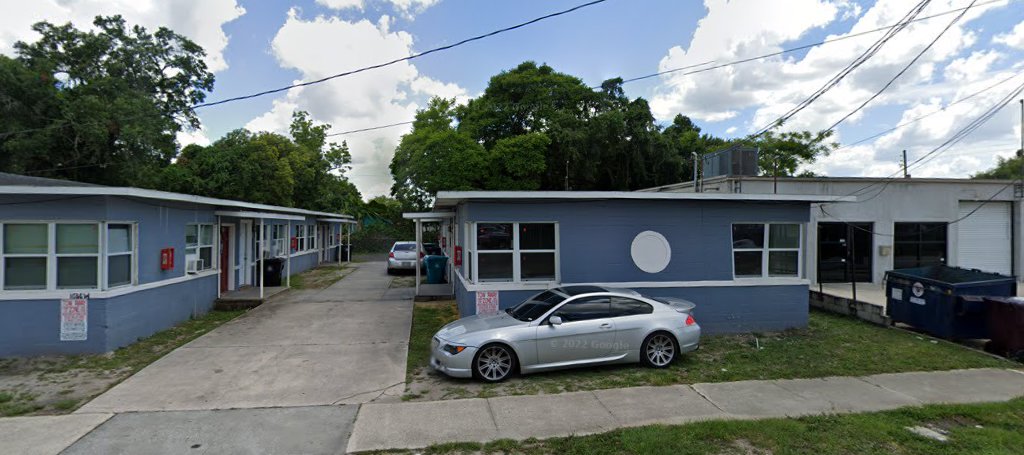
(188,137)
(200,20)
(373,98)
(1013,38)
(769,87)
(971,68)
(731,130)
(406,7)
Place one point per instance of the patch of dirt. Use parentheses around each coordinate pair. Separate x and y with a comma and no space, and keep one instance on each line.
(40,386)
(745,447)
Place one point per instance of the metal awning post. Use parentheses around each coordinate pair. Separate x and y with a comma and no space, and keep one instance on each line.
(263,246)
(348,244)
(216,254)
(288,256)
(419,246)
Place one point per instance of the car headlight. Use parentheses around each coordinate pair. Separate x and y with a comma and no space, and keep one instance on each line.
(453,348)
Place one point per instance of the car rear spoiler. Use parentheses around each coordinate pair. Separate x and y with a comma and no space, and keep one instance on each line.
(680,305)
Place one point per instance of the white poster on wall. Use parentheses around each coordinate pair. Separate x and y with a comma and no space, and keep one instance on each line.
(486,302)
(74,318)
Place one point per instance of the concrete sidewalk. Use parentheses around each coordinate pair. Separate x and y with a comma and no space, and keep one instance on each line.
(416,425)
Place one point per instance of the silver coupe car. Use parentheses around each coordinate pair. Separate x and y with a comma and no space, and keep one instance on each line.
(567,327)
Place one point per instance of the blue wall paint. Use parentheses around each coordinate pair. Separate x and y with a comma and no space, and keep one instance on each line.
(594,246)
(720,309)
(32,327)
(595,236)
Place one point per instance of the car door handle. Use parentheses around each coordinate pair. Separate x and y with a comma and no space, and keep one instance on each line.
(606,326)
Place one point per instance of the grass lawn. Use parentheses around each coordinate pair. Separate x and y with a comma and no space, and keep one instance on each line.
(996,428)
(58,385)
(319,277)
(832,345)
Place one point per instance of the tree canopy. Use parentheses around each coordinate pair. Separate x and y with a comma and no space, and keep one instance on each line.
(100,106)
(303,170)
(534,128)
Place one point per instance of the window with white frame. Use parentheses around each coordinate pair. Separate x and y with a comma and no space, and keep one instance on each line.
(120,254)
(766,250)
(516,252)
(300,237)
(26,249)
(278,235)
(78,256)
(199,246)
(311,237)
(66,255)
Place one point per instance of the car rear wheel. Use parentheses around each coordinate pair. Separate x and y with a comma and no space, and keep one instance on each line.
(659,350)
(494,363)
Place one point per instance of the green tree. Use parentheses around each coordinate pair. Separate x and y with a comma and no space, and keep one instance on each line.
(303,170)
(100,106)
(436,157)
(1005,169)
(782,154)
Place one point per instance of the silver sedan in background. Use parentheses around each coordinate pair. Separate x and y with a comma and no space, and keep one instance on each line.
(567,327)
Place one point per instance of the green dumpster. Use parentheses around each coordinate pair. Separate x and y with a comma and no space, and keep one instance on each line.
(435,266)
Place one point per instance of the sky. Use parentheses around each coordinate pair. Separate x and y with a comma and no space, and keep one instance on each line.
(257,45)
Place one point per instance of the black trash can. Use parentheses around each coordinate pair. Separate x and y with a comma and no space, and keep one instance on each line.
(943,301)
(273,268)
(1006,325)
(343,251)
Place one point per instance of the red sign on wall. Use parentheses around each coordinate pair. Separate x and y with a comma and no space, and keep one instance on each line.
(167,259)
(295,243)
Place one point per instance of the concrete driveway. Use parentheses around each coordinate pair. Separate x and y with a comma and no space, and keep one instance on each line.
(345,344)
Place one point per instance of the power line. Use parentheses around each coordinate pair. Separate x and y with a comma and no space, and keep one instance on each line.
(917,119)
(857,62)
(905,68)
(625,81)
(403,59)
(944,146)
(355,71)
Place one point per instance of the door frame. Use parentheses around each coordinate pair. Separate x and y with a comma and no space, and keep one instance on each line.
(245,265)
(230,267)
(850,272)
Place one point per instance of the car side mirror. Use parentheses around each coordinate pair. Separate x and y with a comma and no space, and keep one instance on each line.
(555,320)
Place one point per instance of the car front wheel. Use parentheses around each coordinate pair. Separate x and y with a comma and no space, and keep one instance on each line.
(659,350)
(494,363)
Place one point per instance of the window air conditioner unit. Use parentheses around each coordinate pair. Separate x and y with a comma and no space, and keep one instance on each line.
(193,265)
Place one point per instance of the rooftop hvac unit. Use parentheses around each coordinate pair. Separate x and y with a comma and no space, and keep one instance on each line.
(732,161)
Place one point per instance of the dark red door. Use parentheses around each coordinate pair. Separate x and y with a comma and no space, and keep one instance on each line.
(225,257)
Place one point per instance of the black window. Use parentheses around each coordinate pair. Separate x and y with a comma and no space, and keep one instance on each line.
(401,246)
(622,306)
(536,306)
(919,245)
(584,309)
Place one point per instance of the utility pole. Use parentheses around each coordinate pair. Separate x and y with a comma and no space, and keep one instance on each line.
(696,189)
(905,174)
(566,175)
(775,171)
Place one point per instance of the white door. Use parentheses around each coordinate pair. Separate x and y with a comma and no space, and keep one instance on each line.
(246,244)
(984,241)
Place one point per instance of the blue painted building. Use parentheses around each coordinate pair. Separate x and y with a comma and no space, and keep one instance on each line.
(135,261)
(740,257)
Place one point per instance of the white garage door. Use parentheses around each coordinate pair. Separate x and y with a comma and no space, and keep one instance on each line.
(984,241)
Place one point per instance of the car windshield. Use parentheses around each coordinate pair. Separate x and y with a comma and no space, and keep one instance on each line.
(405,247)
(536,306)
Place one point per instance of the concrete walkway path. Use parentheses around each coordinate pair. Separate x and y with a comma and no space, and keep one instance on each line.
(416,425)
(344,344)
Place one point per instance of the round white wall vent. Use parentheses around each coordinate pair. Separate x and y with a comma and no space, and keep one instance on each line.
(651,251)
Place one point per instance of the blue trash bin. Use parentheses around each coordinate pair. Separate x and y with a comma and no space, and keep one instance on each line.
(435,268)
(944,301)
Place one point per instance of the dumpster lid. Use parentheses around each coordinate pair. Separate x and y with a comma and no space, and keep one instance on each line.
(948,275)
